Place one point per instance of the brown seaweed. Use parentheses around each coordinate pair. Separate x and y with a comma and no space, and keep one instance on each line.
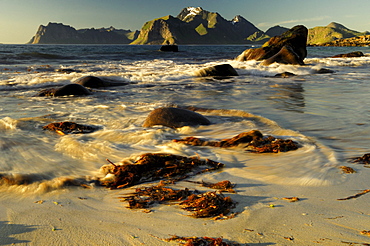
(209,204)
(144,197)
(252,140)
(222,186)
(346,169)
(365,159)
(200,241)
(355,196)
(150,167)
(67,127)
(291,199)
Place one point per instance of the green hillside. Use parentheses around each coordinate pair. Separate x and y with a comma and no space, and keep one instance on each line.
(333,31)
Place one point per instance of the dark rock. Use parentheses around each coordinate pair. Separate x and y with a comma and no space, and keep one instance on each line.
(169,48)
(174,118)
(352,54)
(95,82)
(46,92)
(324,70)
(67,90)
(72,89)
(90,81)
(218,70)
(295,38)
(285,75)
(285,56)
(67,70)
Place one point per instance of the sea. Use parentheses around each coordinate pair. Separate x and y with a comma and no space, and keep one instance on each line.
(326,114)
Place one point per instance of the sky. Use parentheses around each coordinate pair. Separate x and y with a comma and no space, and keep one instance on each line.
(20,19)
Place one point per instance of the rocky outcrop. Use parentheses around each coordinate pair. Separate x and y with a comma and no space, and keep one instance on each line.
(288,48)
(218,70)
(175,118)
(57,33)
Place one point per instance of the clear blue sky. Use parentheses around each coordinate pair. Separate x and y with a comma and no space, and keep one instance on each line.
(19,19)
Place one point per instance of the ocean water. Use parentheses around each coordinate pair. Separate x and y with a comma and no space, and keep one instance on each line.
(327,114)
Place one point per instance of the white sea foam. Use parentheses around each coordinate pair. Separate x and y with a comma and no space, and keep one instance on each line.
(8,123)
(299,108)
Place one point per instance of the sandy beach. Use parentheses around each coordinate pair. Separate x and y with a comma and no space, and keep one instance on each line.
(78,216)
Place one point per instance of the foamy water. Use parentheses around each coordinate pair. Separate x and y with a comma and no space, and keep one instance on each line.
(327,114)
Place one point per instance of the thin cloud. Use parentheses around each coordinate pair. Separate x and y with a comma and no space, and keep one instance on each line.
(269,24)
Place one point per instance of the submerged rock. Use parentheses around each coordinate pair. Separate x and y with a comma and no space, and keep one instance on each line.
(294,40)
(285,75)
(348,55)
(67,90)
(95,82)
(218,70)
(324,70)
(175,118)
(67,70)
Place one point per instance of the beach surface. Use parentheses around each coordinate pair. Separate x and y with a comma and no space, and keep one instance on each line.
(78,216)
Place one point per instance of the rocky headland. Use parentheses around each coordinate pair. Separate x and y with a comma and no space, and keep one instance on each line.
(58,33)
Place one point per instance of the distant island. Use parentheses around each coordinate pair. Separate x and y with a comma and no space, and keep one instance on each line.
(193,26)
(57,33)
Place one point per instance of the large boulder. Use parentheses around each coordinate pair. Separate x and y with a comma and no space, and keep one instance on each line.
(295,38)
(95,82)
(218,70)
(285,56)
(67,90)
(175,118)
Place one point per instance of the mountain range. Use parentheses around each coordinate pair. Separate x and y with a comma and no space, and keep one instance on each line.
(191,26)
